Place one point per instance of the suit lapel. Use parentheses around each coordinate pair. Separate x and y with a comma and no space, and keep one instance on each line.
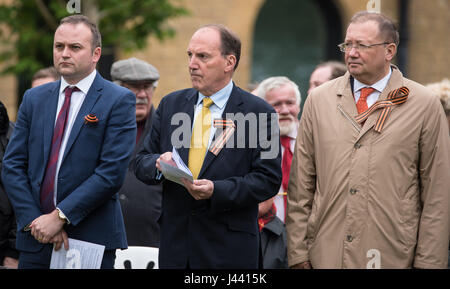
(50,101)
(233,106)
(95,91)
(188,107)
(346,103)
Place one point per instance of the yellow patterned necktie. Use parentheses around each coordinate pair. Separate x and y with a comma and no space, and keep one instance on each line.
(200,138)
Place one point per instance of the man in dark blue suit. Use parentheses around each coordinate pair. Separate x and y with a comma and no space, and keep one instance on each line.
(69,152)
(212,222)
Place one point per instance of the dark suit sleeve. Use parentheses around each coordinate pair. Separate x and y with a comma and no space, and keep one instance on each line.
(145,162)
(264,179)
(15,168)
(118,144)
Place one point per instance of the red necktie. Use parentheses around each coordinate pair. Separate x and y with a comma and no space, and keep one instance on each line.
(286,165)
(361,105)
(48,185)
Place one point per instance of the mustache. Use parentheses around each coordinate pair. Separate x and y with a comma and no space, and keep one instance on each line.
(287,116)
(141,101)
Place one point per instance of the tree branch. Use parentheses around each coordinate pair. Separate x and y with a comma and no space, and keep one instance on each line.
(49,19)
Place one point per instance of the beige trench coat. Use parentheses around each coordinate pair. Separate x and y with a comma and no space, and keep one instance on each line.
(362,199)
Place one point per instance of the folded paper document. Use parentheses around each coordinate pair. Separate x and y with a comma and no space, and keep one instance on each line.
(176,170)
(81,255)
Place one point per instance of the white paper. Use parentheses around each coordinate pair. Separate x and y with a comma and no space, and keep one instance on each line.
(181,165)
(81,255)
(176,173)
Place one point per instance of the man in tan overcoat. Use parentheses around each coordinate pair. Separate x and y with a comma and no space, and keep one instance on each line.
(370,184)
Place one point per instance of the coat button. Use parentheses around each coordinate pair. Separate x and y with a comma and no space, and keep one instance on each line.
(349,238)
(357,145)
(353,191)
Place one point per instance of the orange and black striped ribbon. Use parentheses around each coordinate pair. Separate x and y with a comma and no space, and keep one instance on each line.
(90,118)
(228,127)
(395,97)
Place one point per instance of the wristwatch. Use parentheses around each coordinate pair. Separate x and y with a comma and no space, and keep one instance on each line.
(62,217)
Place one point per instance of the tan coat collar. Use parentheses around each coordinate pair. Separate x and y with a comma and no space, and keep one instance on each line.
(346,101)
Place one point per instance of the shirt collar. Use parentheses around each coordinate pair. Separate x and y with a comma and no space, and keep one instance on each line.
(379,86)
(219,98)
(82,85)
(293,133)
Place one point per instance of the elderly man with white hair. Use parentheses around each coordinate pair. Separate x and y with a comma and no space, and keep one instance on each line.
(284,95)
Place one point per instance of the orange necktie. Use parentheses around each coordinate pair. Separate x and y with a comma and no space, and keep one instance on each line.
(361,105)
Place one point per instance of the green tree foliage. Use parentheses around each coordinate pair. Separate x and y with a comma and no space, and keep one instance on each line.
(27,27)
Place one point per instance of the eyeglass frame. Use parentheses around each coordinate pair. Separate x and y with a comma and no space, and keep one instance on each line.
(358,46)
(138,86)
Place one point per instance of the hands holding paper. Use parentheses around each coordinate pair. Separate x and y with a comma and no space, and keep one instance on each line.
(199,189)
(165,157)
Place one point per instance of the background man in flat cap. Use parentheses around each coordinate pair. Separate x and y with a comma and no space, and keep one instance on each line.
(141,203)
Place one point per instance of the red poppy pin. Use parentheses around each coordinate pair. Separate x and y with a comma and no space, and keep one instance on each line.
(90,119)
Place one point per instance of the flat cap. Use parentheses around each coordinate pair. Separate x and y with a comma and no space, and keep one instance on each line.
(133,70)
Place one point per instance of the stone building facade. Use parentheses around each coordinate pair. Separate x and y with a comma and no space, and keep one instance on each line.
(423,55)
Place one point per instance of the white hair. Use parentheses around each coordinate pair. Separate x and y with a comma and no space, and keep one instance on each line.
(442,90)
(276,82)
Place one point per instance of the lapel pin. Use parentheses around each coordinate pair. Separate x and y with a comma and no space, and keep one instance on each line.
(90,119)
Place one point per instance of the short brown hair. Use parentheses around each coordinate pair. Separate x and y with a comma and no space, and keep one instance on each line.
(231,44)
(48,72)
(79,18)
(337,68)
(386,25)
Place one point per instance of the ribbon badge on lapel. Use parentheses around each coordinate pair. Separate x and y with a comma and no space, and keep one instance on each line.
(90,119)
(228,128)
(395,97)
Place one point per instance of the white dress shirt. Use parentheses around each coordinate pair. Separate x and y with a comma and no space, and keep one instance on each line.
(378,86)
(279,198)
(76,101)
(220,100)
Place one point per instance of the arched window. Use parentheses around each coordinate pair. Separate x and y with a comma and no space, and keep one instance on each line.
(291,37)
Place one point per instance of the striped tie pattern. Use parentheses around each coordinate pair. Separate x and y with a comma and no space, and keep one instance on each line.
(395,97)
(200,138)
(48,185)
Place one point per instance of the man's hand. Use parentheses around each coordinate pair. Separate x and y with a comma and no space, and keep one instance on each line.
(45,227)
(59,239)
(10,263)
(165,157)
(303,265)
(200,189)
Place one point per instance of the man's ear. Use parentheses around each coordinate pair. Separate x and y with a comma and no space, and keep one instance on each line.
(96,54)
(391,51)
(231,62)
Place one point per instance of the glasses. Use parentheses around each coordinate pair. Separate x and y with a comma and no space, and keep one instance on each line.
(344,47)
(136,87)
